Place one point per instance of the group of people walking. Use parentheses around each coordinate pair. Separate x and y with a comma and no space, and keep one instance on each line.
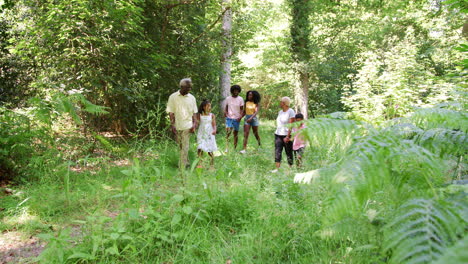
(186,117)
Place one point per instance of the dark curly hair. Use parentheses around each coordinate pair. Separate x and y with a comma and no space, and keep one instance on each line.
(256,96)
(299,115)
(202,105)
(235,87)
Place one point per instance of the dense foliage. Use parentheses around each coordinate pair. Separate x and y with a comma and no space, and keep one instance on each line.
(126,55)
(384,175)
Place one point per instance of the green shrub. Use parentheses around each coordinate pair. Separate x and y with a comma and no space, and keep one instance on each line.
(20,139)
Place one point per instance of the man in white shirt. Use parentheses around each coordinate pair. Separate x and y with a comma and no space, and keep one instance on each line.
(182,109)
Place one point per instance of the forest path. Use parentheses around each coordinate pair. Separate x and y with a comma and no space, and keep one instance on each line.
(19,242)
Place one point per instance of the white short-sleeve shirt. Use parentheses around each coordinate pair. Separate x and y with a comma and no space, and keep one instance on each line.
(282,120)
(183,107)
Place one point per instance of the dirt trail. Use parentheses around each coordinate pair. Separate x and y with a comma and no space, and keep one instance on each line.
(15,248)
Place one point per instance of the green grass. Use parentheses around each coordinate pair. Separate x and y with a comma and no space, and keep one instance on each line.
(149,212)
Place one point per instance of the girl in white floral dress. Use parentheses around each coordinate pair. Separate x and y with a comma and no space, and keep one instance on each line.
(206,131)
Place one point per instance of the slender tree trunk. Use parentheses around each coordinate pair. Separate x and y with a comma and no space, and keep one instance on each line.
(300,30)
(465,29)
(225,78)
(302,95)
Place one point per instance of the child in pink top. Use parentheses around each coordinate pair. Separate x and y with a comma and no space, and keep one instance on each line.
(299,142)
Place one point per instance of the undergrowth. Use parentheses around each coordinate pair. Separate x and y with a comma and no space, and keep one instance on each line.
(374,195)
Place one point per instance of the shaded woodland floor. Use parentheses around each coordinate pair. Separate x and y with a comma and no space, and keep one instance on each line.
(126,202)
(21,224)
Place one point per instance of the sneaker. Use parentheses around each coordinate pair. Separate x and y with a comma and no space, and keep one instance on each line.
(242,151)
(274,171)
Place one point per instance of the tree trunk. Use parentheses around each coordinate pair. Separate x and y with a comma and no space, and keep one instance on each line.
(465,29)
(302,94)
(225,78)
(300,30)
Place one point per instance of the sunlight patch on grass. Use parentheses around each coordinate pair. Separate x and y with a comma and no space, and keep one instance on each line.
(23,217)
(218,153)
(307,177)
(109,188)
(371,214)
(326,233)
(16,246)
(340,178)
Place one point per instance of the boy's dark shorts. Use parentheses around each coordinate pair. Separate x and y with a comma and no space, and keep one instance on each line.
(299,151)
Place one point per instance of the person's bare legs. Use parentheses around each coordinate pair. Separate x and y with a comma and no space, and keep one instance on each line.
(299,161)
(235,138)
(257,136)
(279,145)
(200,155)
(211,160)
(246,136)
(228,134)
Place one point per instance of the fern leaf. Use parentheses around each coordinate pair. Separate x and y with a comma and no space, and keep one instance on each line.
(333,131)
(307,177)
(90,107)
(421,259)
(419,251)
(440,117)
(404,130)
(422,231)
(378,154)
(414,236)
(342,207)
(457,254)
(67,106)
(339,115)
(444,141)
(373,162)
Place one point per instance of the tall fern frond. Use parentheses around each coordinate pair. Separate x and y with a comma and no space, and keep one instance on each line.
(451,105)
(422,230)
(326,128)
(372,159)
(374,163)
(456,254)
(444,141)
(339,115)
(90,107)
(333,136)
(71,103)
(440,118)
(404,130)
(343,204)
(65,105)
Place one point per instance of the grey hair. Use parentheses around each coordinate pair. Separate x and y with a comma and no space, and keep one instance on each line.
(286,100)
(185,81)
